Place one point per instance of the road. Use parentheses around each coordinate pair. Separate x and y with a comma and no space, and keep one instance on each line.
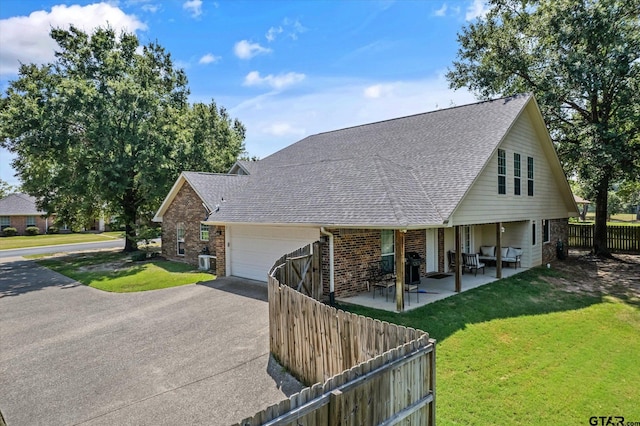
(62,248)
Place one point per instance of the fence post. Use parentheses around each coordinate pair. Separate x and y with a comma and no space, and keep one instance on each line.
(335,408)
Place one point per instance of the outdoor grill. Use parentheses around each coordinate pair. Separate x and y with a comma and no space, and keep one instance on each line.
(412,261)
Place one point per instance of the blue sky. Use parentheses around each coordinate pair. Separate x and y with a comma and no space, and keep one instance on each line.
(286,69)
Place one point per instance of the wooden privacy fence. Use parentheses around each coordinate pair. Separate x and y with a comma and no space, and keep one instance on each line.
(619,238)
(301,270)
(360,371)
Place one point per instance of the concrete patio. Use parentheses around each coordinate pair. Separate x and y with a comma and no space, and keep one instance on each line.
(429,290)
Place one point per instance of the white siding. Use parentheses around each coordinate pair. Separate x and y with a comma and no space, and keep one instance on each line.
(483,204)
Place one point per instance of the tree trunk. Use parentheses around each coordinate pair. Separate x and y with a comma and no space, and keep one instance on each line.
(130,215)
(600,232)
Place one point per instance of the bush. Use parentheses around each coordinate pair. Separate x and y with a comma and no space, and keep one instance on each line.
(31,231)
(10,232)
(53,230)
(139,256)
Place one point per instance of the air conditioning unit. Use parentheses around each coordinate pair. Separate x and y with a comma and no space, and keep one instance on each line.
(204,262)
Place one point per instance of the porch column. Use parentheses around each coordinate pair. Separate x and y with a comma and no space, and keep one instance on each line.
(400,270)
(458,261)
(498,250)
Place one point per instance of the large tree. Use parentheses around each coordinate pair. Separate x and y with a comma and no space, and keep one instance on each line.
(581,60)
(107,127)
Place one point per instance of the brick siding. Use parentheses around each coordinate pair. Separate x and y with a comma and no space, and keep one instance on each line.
(186,208)
(20,223)
(356,251)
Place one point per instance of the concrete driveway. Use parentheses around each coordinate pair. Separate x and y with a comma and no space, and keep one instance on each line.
(73,355)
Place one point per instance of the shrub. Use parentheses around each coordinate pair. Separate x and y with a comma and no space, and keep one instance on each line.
(10,231)
(139,256)
(53,230)
(32,230)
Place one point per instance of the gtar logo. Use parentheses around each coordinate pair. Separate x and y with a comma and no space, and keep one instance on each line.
(606,421)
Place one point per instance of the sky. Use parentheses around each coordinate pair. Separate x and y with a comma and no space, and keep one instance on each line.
(285,69)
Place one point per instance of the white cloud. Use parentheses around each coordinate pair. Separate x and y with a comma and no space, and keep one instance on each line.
(277,82)
(194,7)
(377,91)
(272,33)
(478,9)
(246,50)
(277,119)
(26,38)
(442,11)
(151,8)
(209,58)
(294,27)
(282,129)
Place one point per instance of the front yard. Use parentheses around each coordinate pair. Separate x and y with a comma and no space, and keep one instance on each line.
(116,272)
(7,243)
(548,346)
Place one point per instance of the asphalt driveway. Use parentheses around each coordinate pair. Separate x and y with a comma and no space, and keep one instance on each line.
(73,355)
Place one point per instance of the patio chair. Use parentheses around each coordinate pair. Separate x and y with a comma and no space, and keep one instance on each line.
(451,256)
(472,263)
(380,279)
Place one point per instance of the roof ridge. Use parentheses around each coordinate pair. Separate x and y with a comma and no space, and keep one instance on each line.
(421,113)
(395,204)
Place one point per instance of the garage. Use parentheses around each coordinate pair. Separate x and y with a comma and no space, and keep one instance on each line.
(253,249)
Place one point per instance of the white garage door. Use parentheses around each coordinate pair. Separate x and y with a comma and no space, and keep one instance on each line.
(254,249)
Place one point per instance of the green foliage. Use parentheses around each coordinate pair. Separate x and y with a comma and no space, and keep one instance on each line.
(614,204)
(32,231)
(139,256)
(107,128)
(10,231)
(581,60)
(6,189)
(629,193)
(53,230)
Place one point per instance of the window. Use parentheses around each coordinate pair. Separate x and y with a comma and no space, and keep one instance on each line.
(467,239)
(533,233)
(545,231)
(5,222)
(387,238)
(180,238)
(31,221)
(516,174)
(530,176)
(204,232)
(502,172)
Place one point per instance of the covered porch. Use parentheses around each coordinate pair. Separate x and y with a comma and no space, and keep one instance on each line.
(431,288)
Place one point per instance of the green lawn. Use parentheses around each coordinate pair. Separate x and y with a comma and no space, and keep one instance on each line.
(114,272)
(521,351)
(55,239)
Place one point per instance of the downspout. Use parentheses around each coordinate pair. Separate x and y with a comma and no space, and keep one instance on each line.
(332,294)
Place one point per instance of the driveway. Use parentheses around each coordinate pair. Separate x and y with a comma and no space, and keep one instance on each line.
(73,355)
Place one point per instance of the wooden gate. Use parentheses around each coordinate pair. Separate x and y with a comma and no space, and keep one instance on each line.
(301,270)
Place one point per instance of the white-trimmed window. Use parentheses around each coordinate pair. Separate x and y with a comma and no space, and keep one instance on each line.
(387,238)
(204,232)
(546,236)
(31,221)
(5,222)
(502,172)
(180,238)
(530,176)
(467,239)
(517,172)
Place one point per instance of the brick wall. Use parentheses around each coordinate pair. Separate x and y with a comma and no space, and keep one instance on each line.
(187,208)
(220,251)
(20,223)
(355,252)
(558,230)
(440,249)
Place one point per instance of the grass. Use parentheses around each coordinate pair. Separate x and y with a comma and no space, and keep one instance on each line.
(114,272)
(521,351)
(54,239)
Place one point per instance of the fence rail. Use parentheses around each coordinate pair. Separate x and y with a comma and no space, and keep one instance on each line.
(619,238)
(360,371)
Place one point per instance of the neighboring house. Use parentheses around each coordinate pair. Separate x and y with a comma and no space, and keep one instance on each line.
(486,170)
(19,211)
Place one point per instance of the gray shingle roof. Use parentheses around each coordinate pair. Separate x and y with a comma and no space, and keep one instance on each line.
(19,204)
(214,187)
(410,171)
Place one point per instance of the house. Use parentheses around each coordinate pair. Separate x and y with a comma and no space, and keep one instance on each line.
(20,211)
(487,172)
